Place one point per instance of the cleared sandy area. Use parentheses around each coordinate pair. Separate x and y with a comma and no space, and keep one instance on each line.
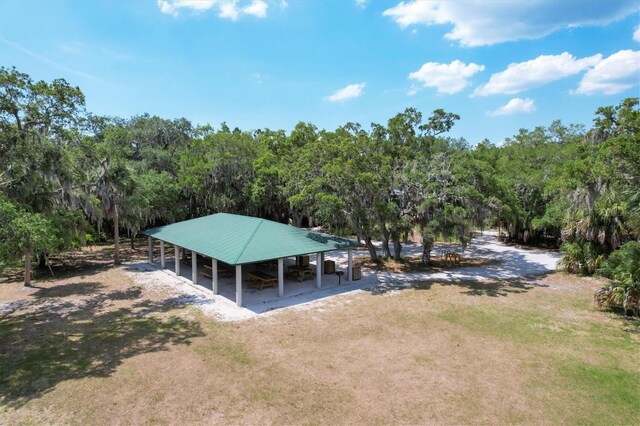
(511,262)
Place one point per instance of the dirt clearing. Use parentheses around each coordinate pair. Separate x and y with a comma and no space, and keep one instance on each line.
(99,349)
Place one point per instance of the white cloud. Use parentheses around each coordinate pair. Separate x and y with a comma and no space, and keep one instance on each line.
(636,34)
(348,92)
(227,9)
(615,74)
(257,8)
(173,6)
(361,3)
(522,76)
(447,78)
(514,106)
(413,90)
(485,22)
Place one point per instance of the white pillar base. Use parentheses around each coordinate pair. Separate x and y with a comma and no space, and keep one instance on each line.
(194,267)
(280,277)
(214,275)
(319,270)
(239,285)
(177,260)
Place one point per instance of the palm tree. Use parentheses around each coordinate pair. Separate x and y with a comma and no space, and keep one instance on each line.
(114,182)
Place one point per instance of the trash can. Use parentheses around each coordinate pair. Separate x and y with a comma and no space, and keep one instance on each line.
(329,267)
(357,273)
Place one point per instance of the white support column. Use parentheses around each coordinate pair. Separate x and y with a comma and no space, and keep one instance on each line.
(350,265)
(322,261)
(319,270)
(194,267)
(280,277)
(177,260)
(162,254)
(150,247)
(214,275)
(239,285)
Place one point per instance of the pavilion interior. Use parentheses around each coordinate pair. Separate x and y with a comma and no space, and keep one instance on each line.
(254,296)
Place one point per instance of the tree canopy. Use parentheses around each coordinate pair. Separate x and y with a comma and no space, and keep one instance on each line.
(67,174)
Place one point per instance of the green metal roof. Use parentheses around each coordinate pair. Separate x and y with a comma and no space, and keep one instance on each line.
(238,240)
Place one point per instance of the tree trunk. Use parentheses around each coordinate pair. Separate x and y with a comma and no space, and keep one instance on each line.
(116,236)
(397,245)
(427,245)
(27,267)
(42,260)
(385,240)
(297,219)
(372,249)
(132,240)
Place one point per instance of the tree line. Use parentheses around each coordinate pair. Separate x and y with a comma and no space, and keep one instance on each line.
(69,177)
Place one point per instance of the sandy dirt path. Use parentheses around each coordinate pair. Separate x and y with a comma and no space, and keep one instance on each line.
(513,262)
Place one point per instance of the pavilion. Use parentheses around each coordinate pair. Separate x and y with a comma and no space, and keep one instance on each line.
(237,240)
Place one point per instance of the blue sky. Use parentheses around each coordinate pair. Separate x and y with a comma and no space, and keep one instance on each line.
(500,65)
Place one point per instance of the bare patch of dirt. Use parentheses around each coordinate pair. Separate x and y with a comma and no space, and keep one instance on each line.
(81,327)
(94,348)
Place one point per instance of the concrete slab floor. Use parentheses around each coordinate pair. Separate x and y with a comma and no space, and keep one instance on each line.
(259,300)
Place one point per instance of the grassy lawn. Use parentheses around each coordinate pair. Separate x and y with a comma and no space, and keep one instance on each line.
(97,349)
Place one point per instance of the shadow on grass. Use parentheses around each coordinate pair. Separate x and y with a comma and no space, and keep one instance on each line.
(631,324)
(494,288)
(48,340)
(88,261)
(411,264)
(71,289)
(58,271)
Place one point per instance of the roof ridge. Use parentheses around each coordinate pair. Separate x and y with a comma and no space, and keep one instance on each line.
(261,221)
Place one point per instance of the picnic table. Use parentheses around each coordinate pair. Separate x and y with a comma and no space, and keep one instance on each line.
(300,272)
(269,264)
(452,258)
(223,270)
(207,271)
(260,280)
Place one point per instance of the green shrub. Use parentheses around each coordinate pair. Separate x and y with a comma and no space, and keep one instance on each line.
(581,259)
(623,266)
(623,269)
